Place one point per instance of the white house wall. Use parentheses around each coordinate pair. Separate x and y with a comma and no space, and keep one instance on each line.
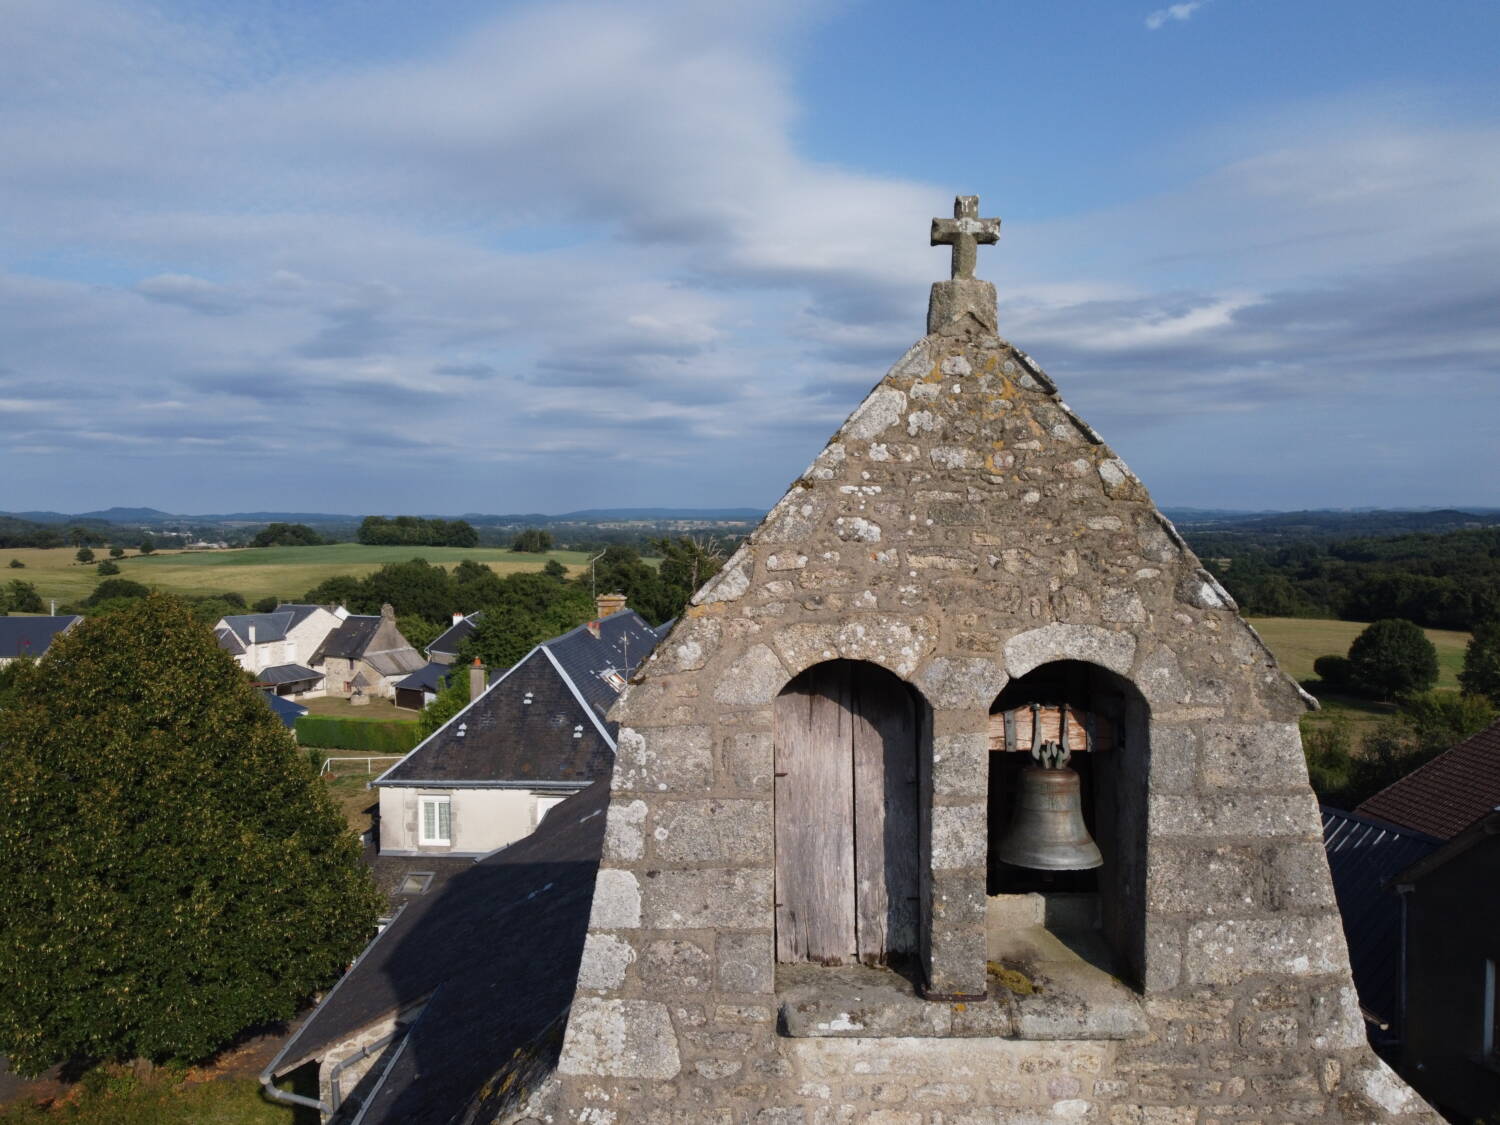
(481,819)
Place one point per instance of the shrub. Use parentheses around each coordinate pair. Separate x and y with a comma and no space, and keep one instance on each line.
(376,736)
(1328,747)
(1481,674)
(1333,670)
(106,568)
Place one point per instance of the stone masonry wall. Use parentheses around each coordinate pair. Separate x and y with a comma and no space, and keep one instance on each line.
(962,528)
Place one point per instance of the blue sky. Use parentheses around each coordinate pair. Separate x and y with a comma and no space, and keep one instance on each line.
(378,256)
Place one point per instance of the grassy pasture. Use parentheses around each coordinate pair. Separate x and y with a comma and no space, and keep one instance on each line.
(255,572)
(1298,641)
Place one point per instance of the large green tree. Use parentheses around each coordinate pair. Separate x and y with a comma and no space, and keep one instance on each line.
(174,872)
(1481,674)
(1391,659)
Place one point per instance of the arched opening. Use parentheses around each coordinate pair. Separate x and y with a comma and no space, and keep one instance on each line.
(849,782)
(1104,722)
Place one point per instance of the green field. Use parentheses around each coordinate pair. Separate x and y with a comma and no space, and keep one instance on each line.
(254,572)
(1298,641)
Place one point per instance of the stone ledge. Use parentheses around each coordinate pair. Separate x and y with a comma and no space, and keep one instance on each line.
(1071,1000)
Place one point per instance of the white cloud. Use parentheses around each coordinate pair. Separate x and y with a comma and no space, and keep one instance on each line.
(1181,12)
(471,276)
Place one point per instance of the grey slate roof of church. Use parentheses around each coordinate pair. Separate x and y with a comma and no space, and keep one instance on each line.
(529,727)
(31,636)
(1363,857)
(496,948)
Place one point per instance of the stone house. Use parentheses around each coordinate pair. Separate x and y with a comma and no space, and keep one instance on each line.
(365,657)
(278,647)
(807,908)
(535,736)
(1445,947)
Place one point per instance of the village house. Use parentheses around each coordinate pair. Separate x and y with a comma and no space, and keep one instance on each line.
(278,647)
(444,650)
(533,737)
(29,637)
(365,657)
(1442,954)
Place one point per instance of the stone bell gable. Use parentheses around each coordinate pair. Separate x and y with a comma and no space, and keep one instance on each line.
(800,916)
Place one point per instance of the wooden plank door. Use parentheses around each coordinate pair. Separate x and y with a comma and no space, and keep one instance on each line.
(885,815)
(814,819)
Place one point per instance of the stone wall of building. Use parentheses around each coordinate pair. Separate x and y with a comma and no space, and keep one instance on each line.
(961,529)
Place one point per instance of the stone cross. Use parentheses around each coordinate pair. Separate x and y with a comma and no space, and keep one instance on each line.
(964,232)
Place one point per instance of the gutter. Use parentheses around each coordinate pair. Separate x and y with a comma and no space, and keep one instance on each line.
(268,1075)
(363,1053)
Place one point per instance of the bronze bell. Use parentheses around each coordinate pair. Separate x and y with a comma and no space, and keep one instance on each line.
(1047,831)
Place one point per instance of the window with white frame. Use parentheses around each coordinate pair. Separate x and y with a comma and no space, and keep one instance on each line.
(435,820)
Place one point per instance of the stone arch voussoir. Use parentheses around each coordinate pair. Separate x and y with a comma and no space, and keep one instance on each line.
(1089,643)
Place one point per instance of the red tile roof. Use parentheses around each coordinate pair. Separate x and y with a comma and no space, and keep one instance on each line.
(1446,795)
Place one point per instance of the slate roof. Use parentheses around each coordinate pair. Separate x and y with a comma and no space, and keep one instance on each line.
(300,612)
(449,640)
(586,658)
(287,711)
(229,642)
(1363,857)
(286,674)
(32,636)
(1446,795)
(269,627)
(349,639)
(496,948)
(528,727)
(390,871)
(352,641)
(397,662)
(429,677)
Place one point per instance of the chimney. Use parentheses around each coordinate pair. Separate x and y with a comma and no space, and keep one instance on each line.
(593,627)
(457,617)
(610,604)
(252,633)
(476,679)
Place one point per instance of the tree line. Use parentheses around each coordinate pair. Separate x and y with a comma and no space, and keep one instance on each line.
(416,531)
(1440,581)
